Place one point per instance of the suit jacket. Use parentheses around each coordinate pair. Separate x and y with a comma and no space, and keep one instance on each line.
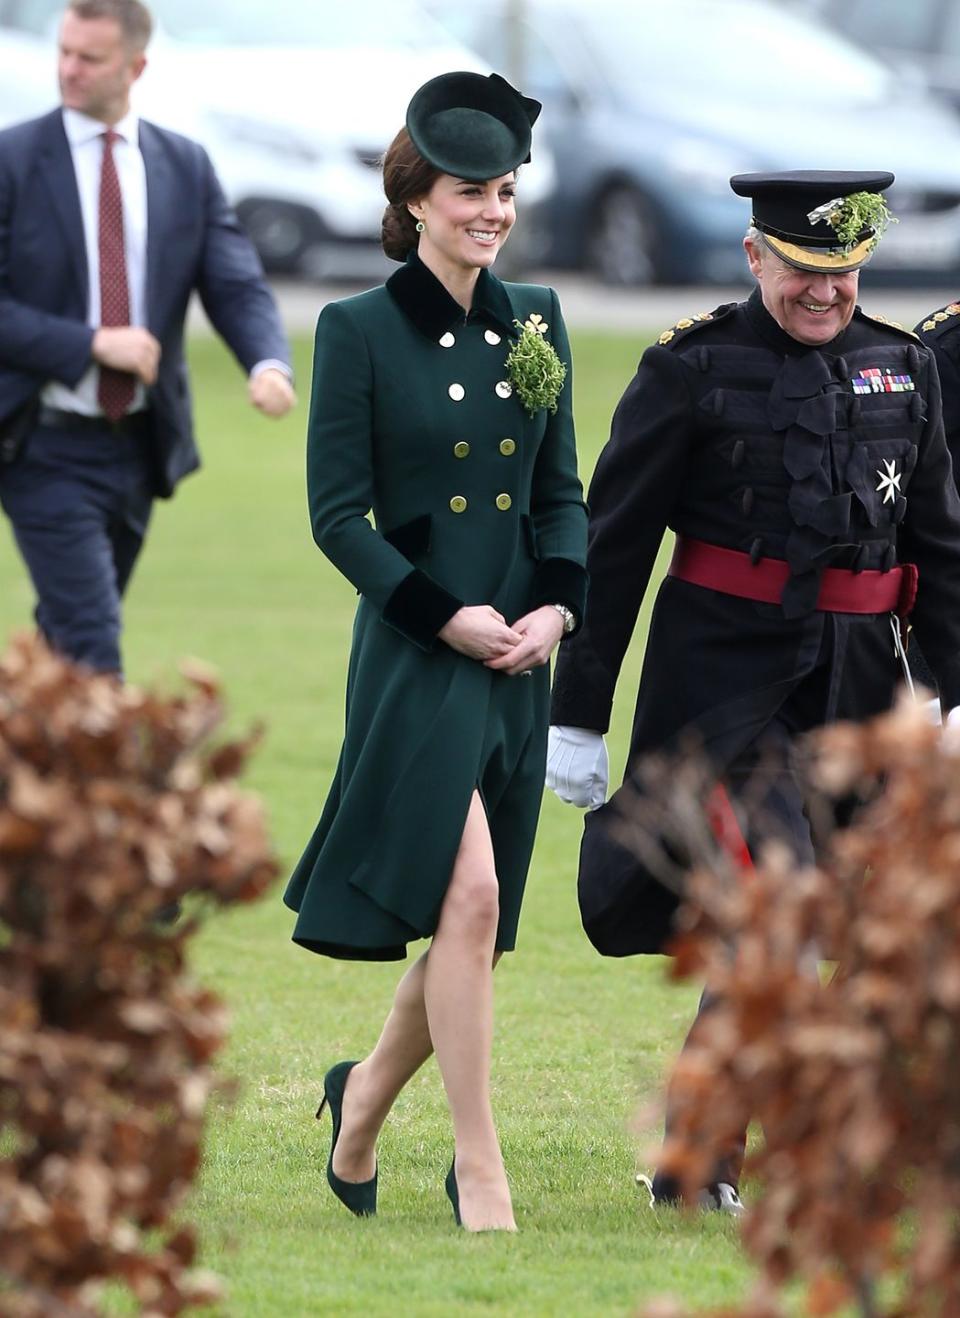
(194,241)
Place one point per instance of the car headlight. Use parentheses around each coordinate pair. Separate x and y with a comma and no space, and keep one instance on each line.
(274,138)
(704,165)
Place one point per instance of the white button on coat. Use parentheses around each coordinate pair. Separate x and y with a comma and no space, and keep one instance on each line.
(447,340)
(491,337)
(457,392)
(504,388)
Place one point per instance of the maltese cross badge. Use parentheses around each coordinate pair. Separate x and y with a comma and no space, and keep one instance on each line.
(890,478)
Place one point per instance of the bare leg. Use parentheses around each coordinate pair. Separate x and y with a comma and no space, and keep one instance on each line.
(373,1084)
(458,992)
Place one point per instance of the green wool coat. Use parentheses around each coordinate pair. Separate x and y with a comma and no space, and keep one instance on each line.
(474,501)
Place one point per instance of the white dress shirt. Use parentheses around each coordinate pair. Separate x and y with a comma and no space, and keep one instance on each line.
(85,136)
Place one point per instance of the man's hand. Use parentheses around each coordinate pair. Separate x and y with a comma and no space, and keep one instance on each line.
(271,392)
(127,348)
(540,633)
(479,632)
(578,769)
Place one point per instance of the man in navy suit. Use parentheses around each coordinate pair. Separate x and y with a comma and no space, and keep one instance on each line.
(107,224)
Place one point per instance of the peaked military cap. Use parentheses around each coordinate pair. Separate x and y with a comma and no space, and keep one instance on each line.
(472,126)
(796,212)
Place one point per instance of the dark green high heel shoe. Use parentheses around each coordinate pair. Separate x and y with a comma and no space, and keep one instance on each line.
(359,1196)
(453,1191)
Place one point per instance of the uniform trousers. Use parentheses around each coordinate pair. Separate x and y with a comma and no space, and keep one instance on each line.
(766,784)
(79,498)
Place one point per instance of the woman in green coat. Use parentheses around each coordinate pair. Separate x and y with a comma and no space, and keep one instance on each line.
(442,402)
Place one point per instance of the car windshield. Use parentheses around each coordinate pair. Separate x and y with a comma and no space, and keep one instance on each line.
(392,23)
(731,49)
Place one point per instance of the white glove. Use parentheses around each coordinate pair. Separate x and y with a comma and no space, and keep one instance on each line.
(578,769)
(950,737)
(932,711)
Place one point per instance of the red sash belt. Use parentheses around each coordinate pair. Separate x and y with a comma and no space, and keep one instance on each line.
(841,590)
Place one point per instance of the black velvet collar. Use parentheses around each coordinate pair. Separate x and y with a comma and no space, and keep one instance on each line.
(424,300)
(765,325)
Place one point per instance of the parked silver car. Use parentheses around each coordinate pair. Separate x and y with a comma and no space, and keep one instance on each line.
(295,102)
(920,40)
(651,106)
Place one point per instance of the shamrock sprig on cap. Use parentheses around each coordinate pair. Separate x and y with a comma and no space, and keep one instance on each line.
(849,216)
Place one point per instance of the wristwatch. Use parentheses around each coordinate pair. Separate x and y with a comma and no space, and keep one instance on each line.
(569,620)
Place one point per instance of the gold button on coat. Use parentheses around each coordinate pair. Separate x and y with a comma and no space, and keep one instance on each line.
(461,449)
(504,502)
(508,446)
(458,504)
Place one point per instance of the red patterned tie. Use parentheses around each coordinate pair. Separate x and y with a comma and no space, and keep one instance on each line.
(115,388)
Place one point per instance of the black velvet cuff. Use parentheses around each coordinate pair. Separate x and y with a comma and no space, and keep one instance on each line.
(418,608)
(561,581)
(582,687)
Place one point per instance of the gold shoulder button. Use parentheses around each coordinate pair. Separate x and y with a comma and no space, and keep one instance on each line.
(953,309)
(681,327)
(929,325)
(895,324)
(940,315)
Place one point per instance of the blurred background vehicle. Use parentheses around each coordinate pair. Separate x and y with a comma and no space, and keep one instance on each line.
(27,83)
(650,107)
(919,39)
(295,103)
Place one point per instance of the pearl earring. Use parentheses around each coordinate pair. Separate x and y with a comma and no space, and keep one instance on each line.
(420,226)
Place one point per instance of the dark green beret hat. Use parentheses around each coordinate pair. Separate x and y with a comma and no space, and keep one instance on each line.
(472,126)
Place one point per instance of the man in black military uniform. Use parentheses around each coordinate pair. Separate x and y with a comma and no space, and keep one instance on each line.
(796,448)
(938,332)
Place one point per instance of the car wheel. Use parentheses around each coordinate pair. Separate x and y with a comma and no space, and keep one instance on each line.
(280,232)
(623,241)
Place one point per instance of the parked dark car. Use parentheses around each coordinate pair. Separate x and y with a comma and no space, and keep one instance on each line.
(651,106)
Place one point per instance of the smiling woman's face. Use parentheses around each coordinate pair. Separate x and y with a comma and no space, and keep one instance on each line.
(465,224)
(812,307)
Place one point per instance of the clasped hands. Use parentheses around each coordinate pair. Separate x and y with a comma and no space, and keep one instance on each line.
(480,632)
(577,766)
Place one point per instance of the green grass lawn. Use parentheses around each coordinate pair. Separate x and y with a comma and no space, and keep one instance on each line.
(231,575)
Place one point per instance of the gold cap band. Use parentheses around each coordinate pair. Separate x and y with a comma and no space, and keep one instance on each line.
(817,259)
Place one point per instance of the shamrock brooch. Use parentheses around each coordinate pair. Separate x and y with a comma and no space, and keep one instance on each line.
(535,371)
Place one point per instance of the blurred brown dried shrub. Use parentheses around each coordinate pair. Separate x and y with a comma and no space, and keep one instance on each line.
(112,805)
(854,1080)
